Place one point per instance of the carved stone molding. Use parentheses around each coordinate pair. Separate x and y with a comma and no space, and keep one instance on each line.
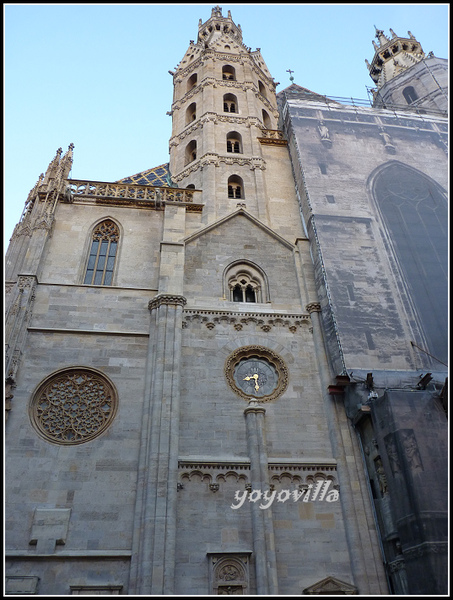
(167,299)
(26,281)
(211,158)
(212,117)
(264,321)
(214,473)
(424,549)
(296,473)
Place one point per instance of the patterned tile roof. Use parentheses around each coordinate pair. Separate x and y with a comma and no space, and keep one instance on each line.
(158,176)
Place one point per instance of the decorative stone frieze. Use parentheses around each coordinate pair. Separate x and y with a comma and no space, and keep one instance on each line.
(265,321)
(211,158)
(298,474)
(273,137)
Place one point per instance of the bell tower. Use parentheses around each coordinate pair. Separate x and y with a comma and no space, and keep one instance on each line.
(404,75)
(224,97)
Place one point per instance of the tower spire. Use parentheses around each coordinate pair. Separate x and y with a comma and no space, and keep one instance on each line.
(393,55)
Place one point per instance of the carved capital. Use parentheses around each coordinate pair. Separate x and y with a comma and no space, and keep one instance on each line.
(313,307)
(168,299)
(253,407)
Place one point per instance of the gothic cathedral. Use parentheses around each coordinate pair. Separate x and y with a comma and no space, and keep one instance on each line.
(227,374)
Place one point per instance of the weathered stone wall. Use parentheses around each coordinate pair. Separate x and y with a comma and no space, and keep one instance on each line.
(361,278)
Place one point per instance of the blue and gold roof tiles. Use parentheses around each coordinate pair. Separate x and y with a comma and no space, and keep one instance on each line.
(157,176)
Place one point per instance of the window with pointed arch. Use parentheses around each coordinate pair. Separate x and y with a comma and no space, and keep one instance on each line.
(103,252)
(246,282)
(235,187)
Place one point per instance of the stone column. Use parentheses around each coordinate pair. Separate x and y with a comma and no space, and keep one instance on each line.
(262,523)
(153,556)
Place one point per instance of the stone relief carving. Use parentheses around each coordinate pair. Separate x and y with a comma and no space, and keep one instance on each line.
(411,450)
(229,573)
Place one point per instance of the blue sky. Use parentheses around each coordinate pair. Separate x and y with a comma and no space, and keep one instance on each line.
(96,75)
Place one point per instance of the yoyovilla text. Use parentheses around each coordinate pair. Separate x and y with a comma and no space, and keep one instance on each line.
(319,492)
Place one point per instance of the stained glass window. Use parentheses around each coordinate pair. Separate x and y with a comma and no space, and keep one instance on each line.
(101,261)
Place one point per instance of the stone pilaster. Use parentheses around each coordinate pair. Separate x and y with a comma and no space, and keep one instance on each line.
(153,556)
(262,523)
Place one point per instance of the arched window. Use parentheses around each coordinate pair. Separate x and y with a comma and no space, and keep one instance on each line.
(266,120)
(245,282)
(235,187)
(261,88)
(229,72)
(230,103)
(414,210)
(234,142)
(410,94)
(101,260)
(192,82)
(191,113)
(191,151)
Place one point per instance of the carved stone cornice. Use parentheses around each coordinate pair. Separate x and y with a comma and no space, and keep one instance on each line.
(166,299)
(424,549)
(213,117)
(214,471)
(241,320)
(272,137)
(212,158)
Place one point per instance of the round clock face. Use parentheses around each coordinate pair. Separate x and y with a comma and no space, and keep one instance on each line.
(256,372)
(256,377)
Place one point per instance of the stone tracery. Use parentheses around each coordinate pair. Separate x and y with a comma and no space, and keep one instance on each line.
(73,406)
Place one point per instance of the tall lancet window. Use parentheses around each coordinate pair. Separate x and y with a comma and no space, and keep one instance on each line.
(101,260)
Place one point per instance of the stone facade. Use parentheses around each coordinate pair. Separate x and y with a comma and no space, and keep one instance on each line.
(133,464)
(372,186)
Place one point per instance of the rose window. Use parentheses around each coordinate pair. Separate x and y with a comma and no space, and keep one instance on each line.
(73,406)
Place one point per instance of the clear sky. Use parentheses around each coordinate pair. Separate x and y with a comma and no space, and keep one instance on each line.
(96,75)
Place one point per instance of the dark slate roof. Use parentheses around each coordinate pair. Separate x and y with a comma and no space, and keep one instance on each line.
(157,176)
(301,93)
